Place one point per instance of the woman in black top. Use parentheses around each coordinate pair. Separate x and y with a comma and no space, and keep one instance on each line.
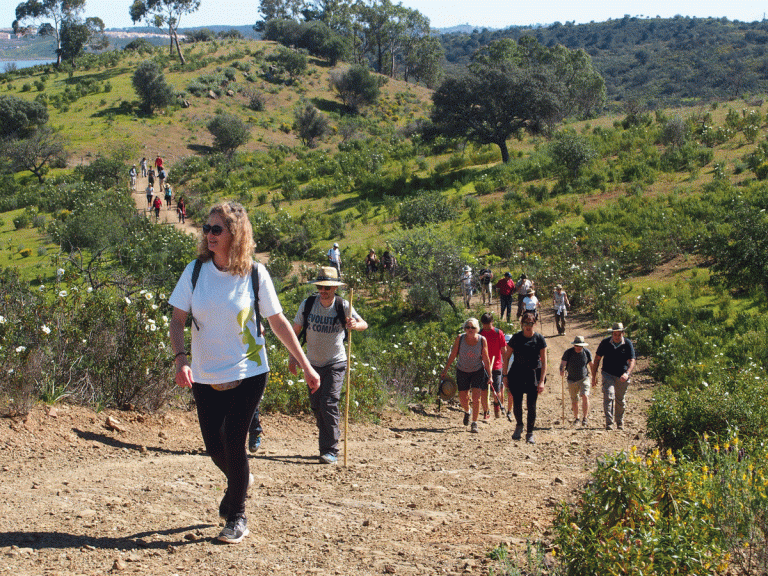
(525,374)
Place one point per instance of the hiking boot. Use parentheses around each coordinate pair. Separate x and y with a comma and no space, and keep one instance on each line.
(530,439)
(328,458)
(518,433)
(487,415)
(609,426)
(474,427)
(254,443)
(466,418)
(620,426)
(235,530)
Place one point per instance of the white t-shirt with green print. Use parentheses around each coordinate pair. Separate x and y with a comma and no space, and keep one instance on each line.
(226,347)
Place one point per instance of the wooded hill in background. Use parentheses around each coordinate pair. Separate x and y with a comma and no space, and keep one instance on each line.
(654,61)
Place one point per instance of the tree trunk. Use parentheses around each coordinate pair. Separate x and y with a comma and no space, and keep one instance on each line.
(504,151)
(447,299)
(175,38)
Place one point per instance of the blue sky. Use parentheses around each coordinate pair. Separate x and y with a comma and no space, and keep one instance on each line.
(444,13)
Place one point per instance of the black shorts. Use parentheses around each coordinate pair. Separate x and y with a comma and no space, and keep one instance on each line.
(467,380)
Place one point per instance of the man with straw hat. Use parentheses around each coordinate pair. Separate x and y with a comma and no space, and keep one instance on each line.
(323,320)
(578,361)
(619,363)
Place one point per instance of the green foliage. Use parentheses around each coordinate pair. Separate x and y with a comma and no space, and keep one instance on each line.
(426,208)
(151,87)
(641,516)
(102,347)
(229,132)
(356,86)
(310,124)
(571,153)
(19,117)
(291,61)
(140,45)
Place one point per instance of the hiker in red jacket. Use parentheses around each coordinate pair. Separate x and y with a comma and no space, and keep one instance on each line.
(506,289)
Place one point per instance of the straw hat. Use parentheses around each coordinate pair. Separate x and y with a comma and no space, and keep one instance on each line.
(327,276)
(579,341)
(617,327)
(531,292)
(447,388)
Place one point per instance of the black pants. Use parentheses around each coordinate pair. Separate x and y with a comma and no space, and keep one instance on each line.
(517,408)
(560,322)
(224,419)
(506,305)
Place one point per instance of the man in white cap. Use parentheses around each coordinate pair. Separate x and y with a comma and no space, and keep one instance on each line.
(578,361)
(334,257)
(324,318)
(619,354)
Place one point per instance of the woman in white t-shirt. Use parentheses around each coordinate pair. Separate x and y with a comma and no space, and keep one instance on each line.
(229,367)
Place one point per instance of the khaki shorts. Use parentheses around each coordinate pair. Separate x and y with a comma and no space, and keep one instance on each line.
(578,388)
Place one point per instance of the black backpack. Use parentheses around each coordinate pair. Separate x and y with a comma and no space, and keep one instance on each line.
(254,283)
(338,304)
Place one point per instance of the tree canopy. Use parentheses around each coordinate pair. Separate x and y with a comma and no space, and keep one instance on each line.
(35,11)
(151,87)
(229,132)
(160,13)
(19,117)
(511,87)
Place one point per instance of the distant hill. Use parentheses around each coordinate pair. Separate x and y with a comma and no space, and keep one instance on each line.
(655,61)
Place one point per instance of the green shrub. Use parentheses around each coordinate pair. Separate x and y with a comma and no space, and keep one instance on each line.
(22,221)
(640,516)
(426,208)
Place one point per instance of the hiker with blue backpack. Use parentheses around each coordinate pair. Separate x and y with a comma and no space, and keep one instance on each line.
(227,294)
(323,320)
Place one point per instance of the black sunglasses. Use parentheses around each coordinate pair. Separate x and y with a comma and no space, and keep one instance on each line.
(324,287)
(216,230)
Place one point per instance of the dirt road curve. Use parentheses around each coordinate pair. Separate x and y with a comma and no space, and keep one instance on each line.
(421,495)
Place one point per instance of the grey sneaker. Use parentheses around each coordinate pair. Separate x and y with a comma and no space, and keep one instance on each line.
(530,439)
(474,427)
(235,530)
(518,433)
(328,458)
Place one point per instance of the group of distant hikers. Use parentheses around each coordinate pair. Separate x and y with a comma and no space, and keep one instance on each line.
(154,201)
(489,361)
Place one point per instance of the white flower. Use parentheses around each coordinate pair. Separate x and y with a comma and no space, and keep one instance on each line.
(142,292)
(20,348)
(60,272)
(290,382)
(85,341)
(162,345)
(45,329)
(42,287)
(2,319)
(416,389)
(127,300)
(162,296)
(152,327)
(705,384)
(90,289)
(154,306)
(357,403)
(148,295)
(63,294)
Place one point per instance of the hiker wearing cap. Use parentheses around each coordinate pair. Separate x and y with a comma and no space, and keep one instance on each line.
(473,369)
(561,304)
(322,320)
(619,355)
(486,275)
(527,374)
(578,362)
(531,303)
(523,285)
(227,294)
(466,286)
(506,288)
(334,257)
(496,344)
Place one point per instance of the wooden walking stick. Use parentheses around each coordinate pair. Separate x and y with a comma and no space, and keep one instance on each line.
(562,394)
(349,377)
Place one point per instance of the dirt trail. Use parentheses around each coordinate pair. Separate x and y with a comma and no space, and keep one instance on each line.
(167,215)
(421,495)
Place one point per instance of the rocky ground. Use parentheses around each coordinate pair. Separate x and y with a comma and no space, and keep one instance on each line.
(419,493)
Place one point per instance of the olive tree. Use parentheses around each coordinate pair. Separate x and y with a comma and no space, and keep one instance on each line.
(229,132)
(151,87)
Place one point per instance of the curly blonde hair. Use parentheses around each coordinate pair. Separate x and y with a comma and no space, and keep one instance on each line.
(241,250)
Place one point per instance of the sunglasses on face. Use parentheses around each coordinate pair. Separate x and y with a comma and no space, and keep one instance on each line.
(216,230)
(469,328)
(325,287)
(528,323)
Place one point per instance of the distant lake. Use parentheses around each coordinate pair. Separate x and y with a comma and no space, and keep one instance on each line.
(23,63)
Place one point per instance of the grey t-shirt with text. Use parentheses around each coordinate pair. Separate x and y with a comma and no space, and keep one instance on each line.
(325,335)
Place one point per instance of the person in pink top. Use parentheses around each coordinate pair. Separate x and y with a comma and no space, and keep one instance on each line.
(496,344)
(158,162)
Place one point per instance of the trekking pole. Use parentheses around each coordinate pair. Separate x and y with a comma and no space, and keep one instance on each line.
(493,389)
(562,394)
(349,377)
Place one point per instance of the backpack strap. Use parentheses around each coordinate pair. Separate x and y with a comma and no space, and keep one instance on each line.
(340,316)
(196,272)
